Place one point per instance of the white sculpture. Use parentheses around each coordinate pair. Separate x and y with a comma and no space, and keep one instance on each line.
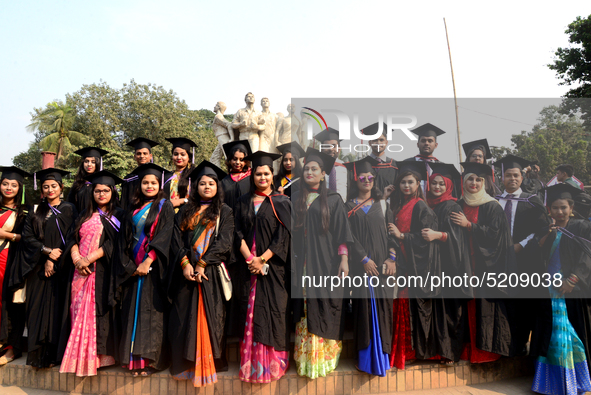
(267,136)
(249,123)
(289,124)
(223,132)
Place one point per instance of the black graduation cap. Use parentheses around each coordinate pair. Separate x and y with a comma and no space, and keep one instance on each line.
(373,129)
(49,174)
(150,168)
(361,166)
(428,130)
(477,144)
(414,166)
(91,151)
(447,170)
(230,148)
(181,142)
(104,177)
(325,161)
(141,143)
(480,169)
(291,147)
(512,162)
(560,191)
(262,158)
(328,134)
(207,168)
(14,173)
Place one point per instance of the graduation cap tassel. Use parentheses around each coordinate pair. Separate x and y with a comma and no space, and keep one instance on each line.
(493,171)
(545,197)
(193,158)
(35,181)
(23,196)
(101,163)
(502,172)
(162,180)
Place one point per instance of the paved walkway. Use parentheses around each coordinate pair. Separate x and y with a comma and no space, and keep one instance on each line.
(518,386)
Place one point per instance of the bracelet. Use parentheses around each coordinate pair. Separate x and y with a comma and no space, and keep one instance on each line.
(393,256)
(14,237)
(78,260)
(570,282)
(201,263)
(46,250)
(52,260)
(250,258)
(443,237)
(263,260)
(184,262)
(573,278)
(365,260)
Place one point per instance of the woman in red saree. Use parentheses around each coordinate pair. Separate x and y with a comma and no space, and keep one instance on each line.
(12,215)
(417,257)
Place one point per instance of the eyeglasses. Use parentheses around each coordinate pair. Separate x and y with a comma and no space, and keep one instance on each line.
(366,178)
(476,156)
(102,191)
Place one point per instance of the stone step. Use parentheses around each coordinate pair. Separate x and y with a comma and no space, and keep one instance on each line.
(344,380)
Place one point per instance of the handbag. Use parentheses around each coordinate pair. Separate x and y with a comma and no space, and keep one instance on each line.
(225,279)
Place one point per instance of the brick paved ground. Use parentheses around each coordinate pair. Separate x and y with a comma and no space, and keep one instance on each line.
(517,386)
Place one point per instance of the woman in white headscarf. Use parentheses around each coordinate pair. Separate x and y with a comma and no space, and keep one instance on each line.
(491,254)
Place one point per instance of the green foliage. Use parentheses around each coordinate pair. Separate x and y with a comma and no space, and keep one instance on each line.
(573,67)
(557,138)
(107,117)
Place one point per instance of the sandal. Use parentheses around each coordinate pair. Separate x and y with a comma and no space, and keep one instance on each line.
(148,371)
(135,373)
(447,362)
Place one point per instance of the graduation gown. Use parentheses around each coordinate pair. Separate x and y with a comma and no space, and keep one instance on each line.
(184,294)
(529,218)
(319,252)
(150,342)
(573,260)
(107,331)
(271,310)
(44,295)
(370,236)
(492,253)
(12,323)
(80,195)
(419,258)
(128,189)
(387,172)
(233,190)
(451,322)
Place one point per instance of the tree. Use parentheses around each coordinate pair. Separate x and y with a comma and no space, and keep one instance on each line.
(107,117)
(558,138)
(573,67)
(58,119)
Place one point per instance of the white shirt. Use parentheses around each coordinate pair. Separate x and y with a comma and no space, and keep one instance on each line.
(503,203)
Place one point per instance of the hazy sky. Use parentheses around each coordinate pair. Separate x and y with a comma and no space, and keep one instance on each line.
(208,51)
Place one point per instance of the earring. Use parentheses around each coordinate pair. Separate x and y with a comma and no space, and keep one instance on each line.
(322,179)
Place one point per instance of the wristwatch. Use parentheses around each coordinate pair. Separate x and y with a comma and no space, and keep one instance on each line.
(186,200)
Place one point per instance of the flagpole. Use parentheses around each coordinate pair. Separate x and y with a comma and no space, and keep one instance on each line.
(454,86)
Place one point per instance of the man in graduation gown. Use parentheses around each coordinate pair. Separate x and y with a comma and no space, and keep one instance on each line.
(142,154)
(526,216)
(337,180)
(386,168)
(427,144)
